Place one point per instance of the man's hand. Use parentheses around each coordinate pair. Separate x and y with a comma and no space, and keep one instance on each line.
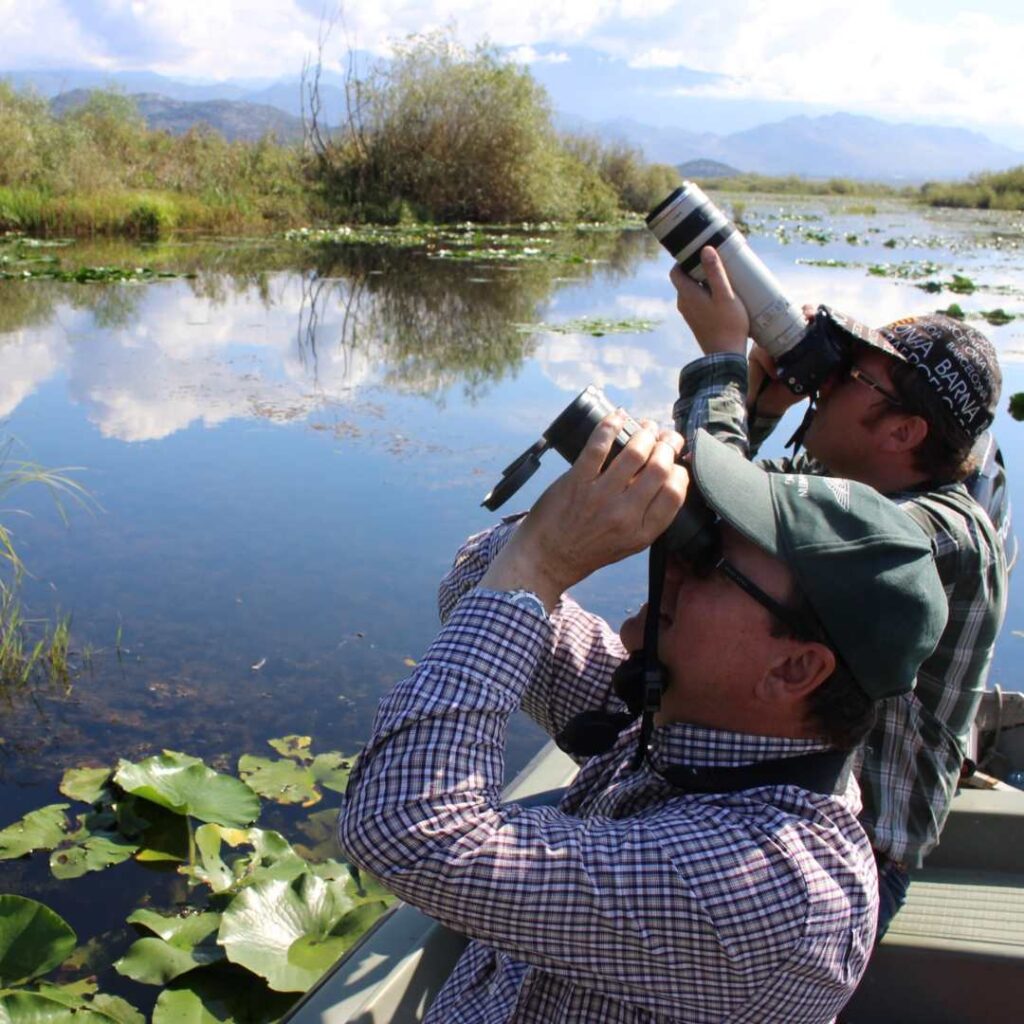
(588,518)
(776,397)
(716,316)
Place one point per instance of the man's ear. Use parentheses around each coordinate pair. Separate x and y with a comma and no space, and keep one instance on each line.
(797,673)
(903,433)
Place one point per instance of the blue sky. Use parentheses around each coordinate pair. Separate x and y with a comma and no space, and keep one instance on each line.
(705,66)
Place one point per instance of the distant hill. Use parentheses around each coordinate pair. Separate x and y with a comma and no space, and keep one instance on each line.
(234,119)
(707,169)
(833,145)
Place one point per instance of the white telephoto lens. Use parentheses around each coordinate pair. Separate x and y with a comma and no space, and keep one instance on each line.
(687,221)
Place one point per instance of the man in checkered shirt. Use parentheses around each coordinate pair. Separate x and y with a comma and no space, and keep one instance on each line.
(712,879)
(903,416)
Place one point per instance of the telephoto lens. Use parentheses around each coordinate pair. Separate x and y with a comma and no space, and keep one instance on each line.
(687,221)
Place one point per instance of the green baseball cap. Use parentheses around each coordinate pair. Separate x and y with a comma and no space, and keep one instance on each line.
(866,568)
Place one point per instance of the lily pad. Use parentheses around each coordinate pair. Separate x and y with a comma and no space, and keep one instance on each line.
(93,851)
(293,746)
(42,829)
(181,931)
(187,786)
(155,962)
(35,1008)
(331,770)
(221,994)
(266,920)
(86,784)
(281,780)
(33,939)
(271,857)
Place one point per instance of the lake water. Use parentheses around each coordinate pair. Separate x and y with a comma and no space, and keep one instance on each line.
(287,449)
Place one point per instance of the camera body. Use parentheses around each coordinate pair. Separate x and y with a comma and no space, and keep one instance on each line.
(805,354)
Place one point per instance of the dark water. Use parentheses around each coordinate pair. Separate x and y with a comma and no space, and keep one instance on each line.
(288,448)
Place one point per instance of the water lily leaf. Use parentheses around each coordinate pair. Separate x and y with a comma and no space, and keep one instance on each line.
(264,920)
(164,836)
(94,852)
(35,1008)
(42,829)
(332,770)
(181,932)
(293,746)
(221,994)
(33,939)
(155,962)
(187,786)
(117,1009)
(271,857)
(86,784)
(70,994)
(282,780)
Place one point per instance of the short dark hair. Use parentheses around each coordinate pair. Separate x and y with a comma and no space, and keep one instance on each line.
(945,455)
(839,708)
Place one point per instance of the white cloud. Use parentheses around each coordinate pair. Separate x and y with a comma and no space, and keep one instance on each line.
(528,55)
(897,59)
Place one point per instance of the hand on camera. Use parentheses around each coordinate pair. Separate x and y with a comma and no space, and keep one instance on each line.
(774,398)
(588,518)
(716,316)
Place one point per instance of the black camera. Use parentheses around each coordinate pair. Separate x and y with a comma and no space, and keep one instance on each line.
(690,533)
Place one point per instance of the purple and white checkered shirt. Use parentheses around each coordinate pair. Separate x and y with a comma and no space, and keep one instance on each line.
(631,901)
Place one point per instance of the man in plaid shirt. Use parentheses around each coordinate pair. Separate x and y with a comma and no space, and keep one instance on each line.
(902,416)
(713,879)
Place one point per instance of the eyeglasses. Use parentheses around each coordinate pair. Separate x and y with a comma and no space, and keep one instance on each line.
(857,374)
(712,559)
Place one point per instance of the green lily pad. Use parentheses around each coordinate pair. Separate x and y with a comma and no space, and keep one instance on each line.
(221,994)
(155,962)
(182,932)
(86,784)
(293,746)
(33,939)
(271,857)
(280,780)
(331,770)
(35,1008)
(42,829)
(116,1009)
(93,851)
(187,786)
(71,994)
(265,920)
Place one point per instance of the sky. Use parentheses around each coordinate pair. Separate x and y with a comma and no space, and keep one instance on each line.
(704,66)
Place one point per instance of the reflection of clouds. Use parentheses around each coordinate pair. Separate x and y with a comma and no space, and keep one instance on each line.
(27,359)
(184,360)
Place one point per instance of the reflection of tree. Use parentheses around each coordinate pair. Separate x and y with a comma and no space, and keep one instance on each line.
(435,322)
(30,303)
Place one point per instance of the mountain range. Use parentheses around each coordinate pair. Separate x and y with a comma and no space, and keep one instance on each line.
(821,146)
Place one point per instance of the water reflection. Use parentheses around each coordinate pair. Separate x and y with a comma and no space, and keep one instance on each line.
(236,343)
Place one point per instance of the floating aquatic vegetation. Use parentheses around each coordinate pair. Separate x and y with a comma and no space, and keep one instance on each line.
(908,270)
(265,920)
(1016,408)
(998,317)
(953,310)
(826,263)
(595,326)
(87,275)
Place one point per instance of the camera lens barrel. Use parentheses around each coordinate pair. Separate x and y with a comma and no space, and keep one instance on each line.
(688,220)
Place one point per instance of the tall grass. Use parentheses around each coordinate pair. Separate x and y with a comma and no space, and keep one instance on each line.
(994,191)
(99,170)
(30,649)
